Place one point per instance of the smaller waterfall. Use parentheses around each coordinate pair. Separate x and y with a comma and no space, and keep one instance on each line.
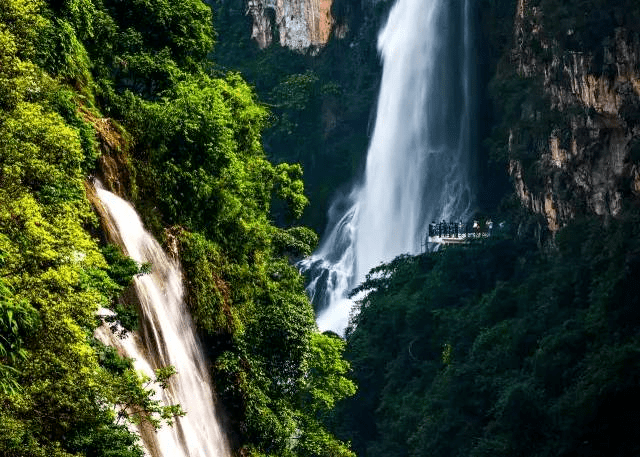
(168,338)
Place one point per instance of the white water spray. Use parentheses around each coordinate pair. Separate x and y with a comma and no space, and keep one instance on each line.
(419,160)
(168,339)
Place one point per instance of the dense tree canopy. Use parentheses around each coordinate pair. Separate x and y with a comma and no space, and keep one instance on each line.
(488,349)
(80,78)
(57,395)
(500,349)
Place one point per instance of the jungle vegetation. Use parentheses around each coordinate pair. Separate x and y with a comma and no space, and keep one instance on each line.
(521,345)
(84,79)
(322,101)
(499,348)
(495,348)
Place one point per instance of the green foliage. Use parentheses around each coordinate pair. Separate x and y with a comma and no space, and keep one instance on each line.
(182,27)
(499,349)
(326,382)
(109,358)
(108,440)
(21,21)
(295,91)
(18,321)
(133,398)
(292,424)
(275,374)
(196,140)
(295,241)
(289,187)
(141,45)
(202,141)
(63,54)
(204,144)
(121,269)
(209,288)
(321,103)
(56,398)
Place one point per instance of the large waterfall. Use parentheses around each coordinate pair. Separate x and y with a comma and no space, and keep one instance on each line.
(419,159)
(167,338)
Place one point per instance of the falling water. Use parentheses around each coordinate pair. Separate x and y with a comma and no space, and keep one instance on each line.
(168,338)
(419,160)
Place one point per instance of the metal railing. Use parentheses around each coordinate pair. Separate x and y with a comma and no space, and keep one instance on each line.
(457,232)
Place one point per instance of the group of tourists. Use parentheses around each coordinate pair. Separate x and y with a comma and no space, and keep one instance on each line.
(452,229)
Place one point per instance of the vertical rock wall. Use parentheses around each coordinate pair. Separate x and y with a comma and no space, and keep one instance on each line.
(586,163)
(301,24)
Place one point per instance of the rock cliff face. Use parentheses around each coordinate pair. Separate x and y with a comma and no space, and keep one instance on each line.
(115,169)
(301,24)
(587,158)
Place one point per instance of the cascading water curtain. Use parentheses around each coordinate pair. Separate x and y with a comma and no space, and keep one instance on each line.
(419,163)
(168,338)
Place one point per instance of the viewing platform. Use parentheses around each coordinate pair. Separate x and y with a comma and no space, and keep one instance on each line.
(458,232)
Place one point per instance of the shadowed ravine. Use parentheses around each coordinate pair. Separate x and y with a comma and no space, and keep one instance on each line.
(419,161)
(168,338)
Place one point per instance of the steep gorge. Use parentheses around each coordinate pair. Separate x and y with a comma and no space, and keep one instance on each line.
(498,350)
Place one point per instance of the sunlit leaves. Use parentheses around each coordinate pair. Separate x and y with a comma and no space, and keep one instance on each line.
(136,399)
(325,379)
(289,187)
(296,242)
(52,273)
(38,149)
(199,140)
(18,321)
(22,19)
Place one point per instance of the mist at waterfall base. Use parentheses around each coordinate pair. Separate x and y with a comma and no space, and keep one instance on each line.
(167,338)
(419,161)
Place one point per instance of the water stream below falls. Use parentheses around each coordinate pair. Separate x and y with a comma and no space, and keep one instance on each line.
(419,161)
(167,337)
